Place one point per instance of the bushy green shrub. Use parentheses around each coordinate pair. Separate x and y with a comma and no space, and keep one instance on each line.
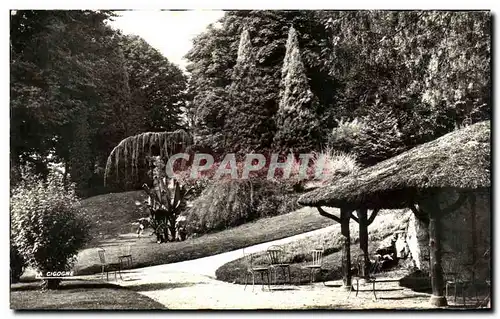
(344,136)
(373,139)
(46,225)
(275,198)
(230,203)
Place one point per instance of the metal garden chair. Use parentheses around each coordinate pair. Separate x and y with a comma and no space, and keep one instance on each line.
(464,280)
(106,266)
(370,278)
(315,263)
(252,270)
(278,259)
(126,255)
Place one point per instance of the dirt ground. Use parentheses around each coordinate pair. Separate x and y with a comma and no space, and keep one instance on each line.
(184,290)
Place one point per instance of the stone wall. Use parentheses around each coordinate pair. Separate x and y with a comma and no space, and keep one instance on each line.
(417,238)
(459,254)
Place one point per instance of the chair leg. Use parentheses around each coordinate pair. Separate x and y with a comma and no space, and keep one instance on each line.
(268,281)
(289,276)
(455,291)
(475,292)
(107,275)
(350,291)
(262,279)
(120,272)
(357,286)
(374,290)
(463,293)
(253,281)
(246,281)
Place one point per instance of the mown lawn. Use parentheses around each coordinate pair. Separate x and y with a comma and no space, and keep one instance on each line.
(298,252)
(146,252)
(78,295)
(113,214)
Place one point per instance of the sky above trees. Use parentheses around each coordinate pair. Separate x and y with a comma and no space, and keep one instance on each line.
(170,32)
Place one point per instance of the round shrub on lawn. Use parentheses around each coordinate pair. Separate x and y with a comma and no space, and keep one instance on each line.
(46,226)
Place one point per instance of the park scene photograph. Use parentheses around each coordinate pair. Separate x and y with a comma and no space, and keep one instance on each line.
(250,160)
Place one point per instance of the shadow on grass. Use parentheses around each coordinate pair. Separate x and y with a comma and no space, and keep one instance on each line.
(333,285)
(379,290)
(37,285)
(131,279)
(400,297)
(283,288)
(160,286)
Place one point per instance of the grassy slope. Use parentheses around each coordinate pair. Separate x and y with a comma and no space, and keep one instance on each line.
(298,252)
(114,213)
(78,295)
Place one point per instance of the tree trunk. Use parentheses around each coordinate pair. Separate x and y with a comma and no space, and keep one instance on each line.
(435,231)
(472,200)
(345,217)
(363,242)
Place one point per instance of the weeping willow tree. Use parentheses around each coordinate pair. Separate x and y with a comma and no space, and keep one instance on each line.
(130,159)
(148,152)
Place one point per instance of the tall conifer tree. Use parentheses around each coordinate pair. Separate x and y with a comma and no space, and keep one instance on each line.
(298,127)
(249,126)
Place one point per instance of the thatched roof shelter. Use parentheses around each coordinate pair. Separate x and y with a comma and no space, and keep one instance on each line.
(460,159)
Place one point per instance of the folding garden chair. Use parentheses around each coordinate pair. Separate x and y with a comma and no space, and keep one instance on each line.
(106,266)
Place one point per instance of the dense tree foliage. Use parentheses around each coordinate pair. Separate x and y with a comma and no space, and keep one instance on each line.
(78,87)
(55,90)
(214,57)
(156,85)
(430,70)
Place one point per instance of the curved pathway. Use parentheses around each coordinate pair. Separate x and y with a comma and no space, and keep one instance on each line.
(207,266)
(192,285)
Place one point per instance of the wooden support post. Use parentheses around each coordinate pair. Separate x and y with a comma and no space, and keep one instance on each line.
(472,201)
(345,216)
(363,242)
(435,233)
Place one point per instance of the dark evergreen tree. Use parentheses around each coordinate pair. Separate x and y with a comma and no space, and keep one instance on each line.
(297,123)
(214,56)
(249,125)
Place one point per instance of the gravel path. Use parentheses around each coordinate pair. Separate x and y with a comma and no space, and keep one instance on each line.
(192,285)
